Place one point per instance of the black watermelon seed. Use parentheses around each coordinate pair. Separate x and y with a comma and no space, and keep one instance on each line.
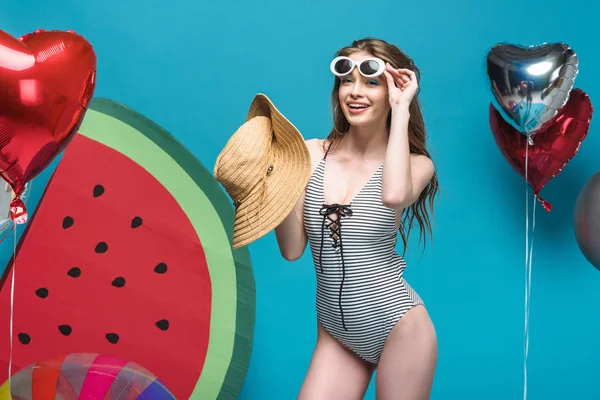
(101,247)
(161,268)
(112,338)
(42,293)
(67,222)
(136,222)
(74,272)
(65,330)
(24,338)
(119,282)
(163,324)
(98,190)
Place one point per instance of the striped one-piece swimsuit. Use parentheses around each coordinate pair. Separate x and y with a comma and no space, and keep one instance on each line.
(361,293)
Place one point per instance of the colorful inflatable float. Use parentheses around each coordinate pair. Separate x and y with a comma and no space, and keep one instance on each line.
(85,376)
(128,253)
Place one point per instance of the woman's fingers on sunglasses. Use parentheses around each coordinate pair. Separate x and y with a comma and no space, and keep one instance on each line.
(400,79)
(410,74)
(399,73)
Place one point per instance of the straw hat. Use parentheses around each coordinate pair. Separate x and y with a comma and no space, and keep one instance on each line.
(264,168)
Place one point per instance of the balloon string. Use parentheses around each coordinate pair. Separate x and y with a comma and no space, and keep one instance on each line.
(12,301)
(12,307)
(528,263)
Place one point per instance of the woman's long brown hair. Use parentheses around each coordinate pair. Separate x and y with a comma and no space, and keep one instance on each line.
(416,131)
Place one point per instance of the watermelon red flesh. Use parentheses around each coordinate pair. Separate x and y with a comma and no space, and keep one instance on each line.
(95,201)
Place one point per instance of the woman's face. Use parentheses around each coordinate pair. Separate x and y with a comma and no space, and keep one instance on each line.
(364,101)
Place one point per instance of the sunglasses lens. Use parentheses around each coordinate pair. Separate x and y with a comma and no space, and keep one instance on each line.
(342,66)
(369,67)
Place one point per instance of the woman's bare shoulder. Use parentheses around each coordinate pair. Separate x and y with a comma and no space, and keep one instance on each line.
(316,150)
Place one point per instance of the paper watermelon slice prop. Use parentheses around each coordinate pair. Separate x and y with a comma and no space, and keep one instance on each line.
(129,254)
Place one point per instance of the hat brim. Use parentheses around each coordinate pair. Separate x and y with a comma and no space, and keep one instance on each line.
(272,199)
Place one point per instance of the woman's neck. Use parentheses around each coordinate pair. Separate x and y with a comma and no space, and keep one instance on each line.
(366,142)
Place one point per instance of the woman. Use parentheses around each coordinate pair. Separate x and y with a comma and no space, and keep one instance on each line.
(371,170)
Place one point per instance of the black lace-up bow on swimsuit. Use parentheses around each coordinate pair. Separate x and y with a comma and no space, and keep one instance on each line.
(361,293)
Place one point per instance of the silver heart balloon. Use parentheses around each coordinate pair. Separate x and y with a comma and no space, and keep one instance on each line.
(531,83)
(586,222)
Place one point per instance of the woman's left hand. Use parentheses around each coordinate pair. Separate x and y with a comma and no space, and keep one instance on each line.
(402,85)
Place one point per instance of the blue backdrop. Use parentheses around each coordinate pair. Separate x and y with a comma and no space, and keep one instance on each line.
(193,67)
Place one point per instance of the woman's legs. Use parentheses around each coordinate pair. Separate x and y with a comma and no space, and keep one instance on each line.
(335,372)
(409,358)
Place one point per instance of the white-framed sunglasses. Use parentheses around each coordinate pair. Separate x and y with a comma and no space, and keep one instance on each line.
(369,67)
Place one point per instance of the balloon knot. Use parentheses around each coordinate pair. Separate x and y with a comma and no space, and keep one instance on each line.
(547,206)
(18,211)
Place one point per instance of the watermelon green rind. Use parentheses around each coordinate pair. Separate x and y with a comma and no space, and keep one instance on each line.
(209,211)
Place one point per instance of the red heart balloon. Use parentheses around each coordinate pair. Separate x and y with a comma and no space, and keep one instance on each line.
(554,145)
(47,80)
